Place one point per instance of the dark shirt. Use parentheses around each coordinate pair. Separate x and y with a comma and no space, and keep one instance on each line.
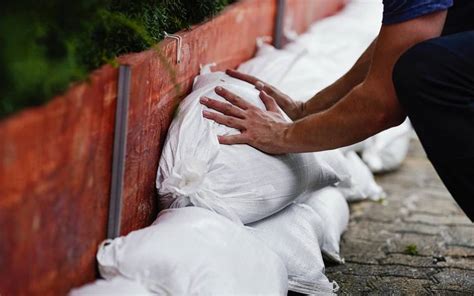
(397,11)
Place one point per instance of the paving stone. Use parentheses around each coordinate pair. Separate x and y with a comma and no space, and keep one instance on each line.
(375,285)
(462,236)
(458,262)
(381,270)
(362,250)
(459,252)
(425,245)
(370,231)
(410,260)
(455,279)
(419,211)
(437,219)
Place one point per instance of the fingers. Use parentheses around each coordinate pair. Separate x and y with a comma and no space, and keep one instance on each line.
(245,77)
(269,102)
(226,108)
(233,98)
(234,139)
(259,85)
(224,119)
(271,91)
(248,78)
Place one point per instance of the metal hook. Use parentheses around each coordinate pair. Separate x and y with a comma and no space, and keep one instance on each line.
(179,41)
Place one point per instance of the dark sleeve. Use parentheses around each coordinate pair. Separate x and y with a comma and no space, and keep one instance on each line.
(397,11)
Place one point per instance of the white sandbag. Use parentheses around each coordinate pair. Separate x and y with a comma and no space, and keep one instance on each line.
(270,64)
(363,185)
(237,181)
(116,286)
(332,47)
(357,147)
(332,207)
(386,151)
(295,234)
(193,251)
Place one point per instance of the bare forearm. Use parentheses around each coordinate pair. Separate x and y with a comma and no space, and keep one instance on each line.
(353,119)
(329,96)
(372,106)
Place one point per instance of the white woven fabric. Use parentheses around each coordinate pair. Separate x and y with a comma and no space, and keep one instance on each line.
(237,181)
(386,151)
(362,185)
(295,234)
(332,207)
(332,46)
(116,286)
(193,251)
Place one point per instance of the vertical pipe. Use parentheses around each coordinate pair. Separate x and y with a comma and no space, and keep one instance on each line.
(120,145)
(279,23)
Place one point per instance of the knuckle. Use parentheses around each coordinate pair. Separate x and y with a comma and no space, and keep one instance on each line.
(234,98)
(213,103)
(251,137)
(227,108)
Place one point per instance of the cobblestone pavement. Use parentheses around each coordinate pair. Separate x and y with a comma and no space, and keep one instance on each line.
(417,242)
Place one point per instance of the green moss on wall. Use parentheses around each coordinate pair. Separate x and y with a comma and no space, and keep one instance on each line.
(46,46)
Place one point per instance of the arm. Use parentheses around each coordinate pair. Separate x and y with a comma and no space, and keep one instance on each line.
(322,100)
(367,109)
(329,96)
(372,106)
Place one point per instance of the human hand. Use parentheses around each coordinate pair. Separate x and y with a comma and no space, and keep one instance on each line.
(294,109)
(262,129)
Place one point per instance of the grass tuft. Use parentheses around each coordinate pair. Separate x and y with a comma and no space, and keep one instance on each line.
(411,250)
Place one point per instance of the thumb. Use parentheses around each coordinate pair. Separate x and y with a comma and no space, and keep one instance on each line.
(269,102)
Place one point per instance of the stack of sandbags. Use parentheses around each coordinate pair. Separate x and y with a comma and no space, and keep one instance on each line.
(247,185)
(294,206)
(302,233)
(189,251)
(361,183)
(237,181)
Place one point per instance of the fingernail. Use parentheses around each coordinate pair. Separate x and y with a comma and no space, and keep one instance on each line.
(259,85)
(203,100)
(218,88)
(205,113)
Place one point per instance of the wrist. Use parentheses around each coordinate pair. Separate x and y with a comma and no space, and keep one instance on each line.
(287,138)
(301,107)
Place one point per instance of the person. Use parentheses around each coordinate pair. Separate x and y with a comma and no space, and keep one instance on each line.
(421,65)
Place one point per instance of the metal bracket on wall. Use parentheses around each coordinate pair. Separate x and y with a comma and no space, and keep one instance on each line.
(120,146)
(179,42)
(279,23)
